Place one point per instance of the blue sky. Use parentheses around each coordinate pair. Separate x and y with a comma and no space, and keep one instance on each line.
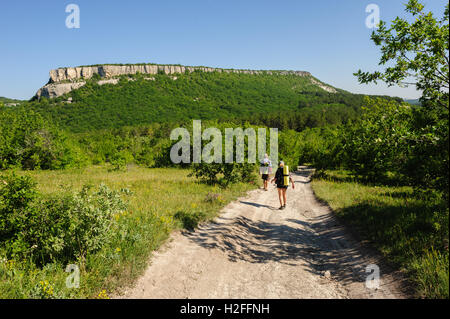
(325,37)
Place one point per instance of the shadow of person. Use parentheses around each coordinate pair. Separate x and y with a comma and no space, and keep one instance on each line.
(258,205)
(303,182)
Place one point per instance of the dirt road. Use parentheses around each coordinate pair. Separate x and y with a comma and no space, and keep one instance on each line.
(254,250)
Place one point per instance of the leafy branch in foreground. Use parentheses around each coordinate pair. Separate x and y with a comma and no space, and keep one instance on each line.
(419,52)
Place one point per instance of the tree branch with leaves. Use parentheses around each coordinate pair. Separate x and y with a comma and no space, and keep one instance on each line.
(418,50)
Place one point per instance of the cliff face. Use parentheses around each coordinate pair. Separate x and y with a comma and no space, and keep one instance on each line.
(106,71)
(53,90)
(74,78)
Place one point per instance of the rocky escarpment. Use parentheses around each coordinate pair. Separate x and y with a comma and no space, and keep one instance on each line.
(64,80)
(106,71)
(53,90)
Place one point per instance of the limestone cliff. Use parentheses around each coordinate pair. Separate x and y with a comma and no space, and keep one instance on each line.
(64,80)
(53,90)
(106,71)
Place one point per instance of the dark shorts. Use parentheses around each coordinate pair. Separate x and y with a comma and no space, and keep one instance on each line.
(282,186)
(265,177)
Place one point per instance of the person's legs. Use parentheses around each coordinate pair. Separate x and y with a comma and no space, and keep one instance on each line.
(280,195)
(284,195)
(265,178)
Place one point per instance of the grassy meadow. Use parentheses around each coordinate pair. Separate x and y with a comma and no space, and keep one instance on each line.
(161,200)
(403,224)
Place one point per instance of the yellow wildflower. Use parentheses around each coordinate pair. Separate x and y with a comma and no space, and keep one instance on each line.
(103,295)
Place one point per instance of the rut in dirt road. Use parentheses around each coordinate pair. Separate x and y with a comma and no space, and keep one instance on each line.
(254,250)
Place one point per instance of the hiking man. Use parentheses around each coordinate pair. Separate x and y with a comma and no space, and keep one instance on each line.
(282,179)
(265,170)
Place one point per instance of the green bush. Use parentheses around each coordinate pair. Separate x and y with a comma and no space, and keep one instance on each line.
(224,174)
(398,141)
(120,160)
(378,144)
(247,173)
(59,228)
(16,195)
(29,142)
(208,173)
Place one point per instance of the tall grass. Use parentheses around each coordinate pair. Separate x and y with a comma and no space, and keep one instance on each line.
(407,226)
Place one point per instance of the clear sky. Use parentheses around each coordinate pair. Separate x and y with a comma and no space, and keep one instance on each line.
(328,38)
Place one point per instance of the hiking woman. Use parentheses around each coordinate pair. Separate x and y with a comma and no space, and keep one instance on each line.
(281,179)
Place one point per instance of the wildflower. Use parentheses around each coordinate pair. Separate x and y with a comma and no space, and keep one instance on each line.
(46,288)
(118,250)
(103,295)
(10,264)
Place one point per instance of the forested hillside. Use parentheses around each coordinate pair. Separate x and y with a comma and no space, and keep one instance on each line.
(5,100)
(284,101)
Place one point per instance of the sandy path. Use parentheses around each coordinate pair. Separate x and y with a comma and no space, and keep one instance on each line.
(253,250)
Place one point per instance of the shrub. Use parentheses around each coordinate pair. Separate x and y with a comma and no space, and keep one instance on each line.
(120,160)
(16,195)
(208,173)
(224,174)
(28,142)
(247,173)
(60,228)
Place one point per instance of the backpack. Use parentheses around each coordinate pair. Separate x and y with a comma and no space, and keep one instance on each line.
(286,175)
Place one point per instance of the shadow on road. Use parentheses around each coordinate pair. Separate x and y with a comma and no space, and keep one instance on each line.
(306,173)
(258,205)
(321,244)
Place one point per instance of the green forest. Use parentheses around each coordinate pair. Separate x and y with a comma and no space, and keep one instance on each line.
(285,101)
